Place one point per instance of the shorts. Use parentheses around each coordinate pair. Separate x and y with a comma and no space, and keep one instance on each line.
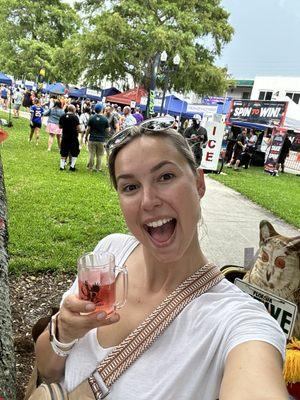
(69,146)
(53,128)
(35,124)
(17,106)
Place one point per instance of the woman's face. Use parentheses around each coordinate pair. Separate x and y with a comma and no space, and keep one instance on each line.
(159,196)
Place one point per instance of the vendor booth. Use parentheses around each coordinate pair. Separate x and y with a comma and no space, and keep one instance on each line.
(5,79)
(131,97)
(278,118)
(55,88)
(86,93)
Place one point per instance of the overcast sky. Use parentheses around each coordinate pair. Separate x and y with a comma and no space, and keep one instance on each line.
(266,39)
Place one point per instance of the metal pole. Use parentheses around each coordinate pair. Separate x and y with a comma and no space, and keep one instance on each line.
(9,124)
(151,94)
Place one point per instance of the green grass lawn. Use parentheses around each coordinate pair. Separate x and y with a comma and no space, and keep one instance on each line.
(278,194)
(54,216)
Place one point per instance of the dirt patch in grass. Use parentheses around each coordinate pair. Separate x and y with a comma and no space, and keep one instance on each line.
(32,297)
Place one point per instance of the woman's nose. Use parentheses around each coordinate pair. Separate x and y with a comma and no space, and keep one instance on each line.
(150,198)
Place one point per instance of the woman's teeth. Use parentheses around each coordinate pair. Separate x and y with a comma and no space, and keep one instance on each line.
(160,222)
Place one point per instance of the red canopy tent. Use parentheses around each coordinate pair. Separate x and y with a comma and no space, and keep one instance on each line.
(127,97)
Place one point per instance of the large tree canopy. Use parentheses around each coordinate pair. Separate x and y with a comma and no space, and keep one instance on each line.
(124,36)
(31,34)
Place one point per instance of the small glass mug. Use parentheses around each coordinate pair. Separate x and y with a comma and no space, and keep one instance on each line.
(97,275)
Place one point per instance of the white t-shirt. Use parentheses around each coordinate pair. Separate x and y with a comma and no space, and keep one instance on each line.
(187,361)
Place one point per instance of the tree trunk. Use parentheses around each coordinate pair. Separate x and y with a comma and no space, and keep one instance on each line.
(7,359)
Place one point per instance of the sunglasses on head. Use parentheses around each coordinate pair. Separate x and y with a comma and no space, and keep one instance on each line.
(154,124)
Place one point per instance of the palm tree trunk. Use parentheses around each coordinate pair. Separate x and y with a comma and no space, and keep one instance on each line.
(7,359)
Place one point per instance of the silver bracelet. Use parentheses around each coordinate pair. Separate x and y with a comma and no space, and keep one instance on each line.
(61,349)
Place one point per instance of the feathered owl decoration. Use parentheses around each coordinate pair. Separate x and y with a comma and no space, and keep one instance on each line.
(277,268)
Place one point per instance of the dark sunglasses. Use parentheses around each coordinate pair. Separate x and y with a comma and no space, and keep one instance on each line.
(154,124)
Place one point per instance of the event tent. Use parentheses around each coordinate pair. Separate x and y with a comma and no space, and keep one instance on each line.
(85,93)
(55,88)
(292,119)
(127,97)
(110,91)
(5,79)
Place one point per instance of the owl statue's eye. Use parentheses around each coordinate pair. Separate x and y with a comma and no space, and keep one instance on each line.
(264,256)
(280,262)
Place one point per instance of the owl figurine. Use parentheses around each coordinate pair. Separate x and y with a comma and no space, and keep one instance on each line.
(277,268)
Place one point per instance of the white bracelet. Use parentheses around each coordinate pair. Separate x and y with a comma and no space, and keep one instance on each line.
(61,349)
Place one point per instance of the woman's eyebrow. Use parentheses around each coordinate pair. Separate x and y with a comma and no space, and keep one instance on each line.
(153,169)
(161,164)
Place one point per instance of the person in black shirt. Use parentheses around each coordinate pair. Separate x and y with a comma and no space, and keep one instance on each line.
(285,150)
(197,137)
(69,123)
(238,148)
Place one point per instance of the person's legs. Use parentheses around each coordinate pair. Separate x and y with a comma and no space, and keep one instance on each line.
(37,135)
(58,137)
(74,150)
(31,132)
(64,151)
(50,141)
(92,152)
(99,154)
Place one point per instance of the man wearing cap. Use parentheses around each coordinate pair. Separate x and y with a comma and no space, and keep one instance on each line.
(197,136)
(97,130)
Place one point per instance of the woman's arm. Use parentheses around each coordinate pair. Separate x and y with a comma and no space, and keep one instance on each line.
(71,325)
(253,371)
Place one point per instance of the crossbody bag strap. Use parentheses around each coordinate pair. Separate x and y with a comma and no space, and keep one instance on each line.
(138,341)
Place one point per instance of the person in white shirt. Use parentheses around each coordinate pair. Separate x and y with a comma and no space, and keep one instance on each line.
(223,344)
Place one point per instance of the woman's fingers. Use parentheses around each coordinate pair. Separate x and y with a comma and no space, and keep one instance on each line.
(73,304)
(77,317)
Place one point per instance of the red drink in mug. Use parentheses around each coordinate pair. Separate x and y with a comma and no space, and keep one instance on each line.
(97,275)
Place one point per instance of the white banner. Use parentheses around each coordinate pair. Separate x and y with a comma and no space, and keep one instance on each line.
(201,108)
(157,102)
(211,153)
(93,92)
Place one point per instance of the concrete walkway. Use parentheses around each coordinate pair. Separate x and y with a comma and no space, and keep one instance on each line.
(231,223)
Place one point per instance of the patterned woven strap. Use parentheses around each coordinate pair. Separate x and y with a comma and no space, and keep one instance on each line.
(120,359)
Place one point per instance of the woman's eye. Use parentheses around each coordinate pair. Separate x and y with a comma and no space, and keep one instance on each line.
(129,188)
(264,257)
(166,176)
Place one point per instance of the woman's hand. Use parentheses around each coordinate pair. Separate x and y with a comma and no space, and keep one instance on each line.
(72,324)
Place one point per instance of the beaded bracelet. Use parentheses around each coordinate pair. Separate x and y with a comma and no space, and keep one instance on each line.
(61,349)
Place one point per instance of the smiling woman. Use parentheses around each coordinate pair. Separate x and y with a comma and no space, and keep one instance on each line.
(222,344)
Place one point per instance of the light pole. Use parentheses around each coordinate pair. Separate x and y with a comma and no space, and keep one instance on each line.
(167,70)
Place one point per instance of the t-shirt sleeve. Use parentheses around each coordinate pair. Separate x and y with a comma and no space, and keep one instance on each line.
(253,322)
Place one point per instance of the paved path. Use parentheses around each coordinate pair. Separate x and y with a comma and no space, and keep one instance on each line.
(231,223)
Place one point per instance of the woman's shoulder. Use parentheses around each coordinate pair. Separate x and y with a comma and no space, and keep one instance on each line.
(119,244)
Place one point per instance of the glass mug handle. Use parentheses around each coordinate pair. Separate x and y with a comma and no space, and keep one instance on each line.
(122,270)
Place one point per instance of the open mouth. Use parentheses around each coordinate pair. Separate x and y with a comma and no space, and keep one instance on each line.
(162,230)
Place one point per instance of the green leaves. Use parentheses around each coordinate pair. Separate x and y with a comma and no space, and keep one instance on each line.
(124,37)
(31,33)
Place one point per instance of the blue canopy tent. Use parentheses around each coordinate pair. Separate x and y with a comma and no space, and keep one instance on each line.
(223,108)
(85,93)
(109,92)
(172,105)
(55,88)
(5,79)
(77,92)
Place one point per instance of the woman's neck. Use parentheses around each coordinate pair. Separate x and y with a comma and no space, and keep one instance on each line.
(165,277)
